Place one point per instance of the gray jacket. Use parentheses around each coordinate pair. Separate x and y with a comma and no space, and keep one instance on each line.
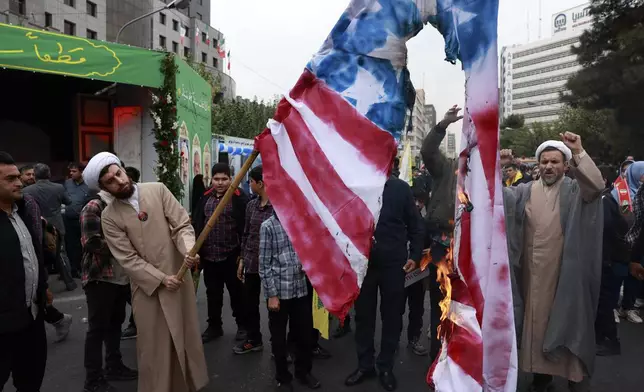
(50,196)
(572,316)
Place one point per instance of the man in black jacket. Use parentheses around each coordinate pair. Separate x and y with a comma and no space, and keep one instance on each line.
(399,225)
(221,250)
(23,284)
(615,257)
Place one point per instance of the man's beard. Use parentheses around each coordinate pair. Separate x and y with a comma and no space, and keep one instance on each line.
(126,193)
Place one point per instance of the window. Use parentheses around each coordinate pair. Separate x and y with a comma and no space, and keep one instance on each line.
(175,47)
(175,25)
(200,2)
(186,52)
(70,28)
(547,69)
(162,18)
(215,62)
(71,3)
(91,9)
(91,34)
(543,59)
(215,43)
(540,92)
(48,20)
(199,16)
(204,37)
(537,82)
(204,57)
(187,29)
(18,7)
(162,41)
(569,41)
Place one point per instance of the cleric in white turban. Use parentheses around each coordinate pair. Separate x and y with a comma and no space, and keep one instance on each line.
(149,234)
(554,226)
(96,165)
(554,145)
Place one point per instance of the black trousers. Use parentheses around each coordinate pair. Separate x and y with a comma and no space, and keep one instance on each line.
(215,276)
(415,299)
(129,302)
(632,291)
(105,315)
(52,315)
(391,282)
(252,292)
(23,356)
(605,326)
(73,244)
(298,312)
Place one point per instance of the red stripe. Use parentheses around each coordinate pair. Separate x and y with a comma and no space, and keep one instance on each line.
(376,146)
(466,266)
(487,134)
(326,266)
(465,348)
(350,212)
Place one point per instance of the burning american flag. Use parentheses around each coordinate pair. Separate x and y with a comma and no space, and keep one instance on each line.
(328,152)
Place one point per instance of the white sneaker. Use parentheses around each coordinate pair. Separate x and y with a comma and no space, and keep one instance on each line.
(62,328)
(616,314)
(639,303)
(633,316)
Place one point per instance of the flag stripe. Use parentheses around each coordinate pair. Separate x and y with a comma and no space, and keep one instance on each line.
(324,262)
(351,213)
(375,145)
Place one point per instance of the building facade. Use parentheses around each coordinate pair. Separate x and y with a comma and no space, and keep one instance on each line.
(185,32)
(534,75)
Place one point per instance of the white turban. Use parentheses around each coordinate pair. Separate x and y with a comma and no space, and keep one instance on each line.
(555,144)
(94,167)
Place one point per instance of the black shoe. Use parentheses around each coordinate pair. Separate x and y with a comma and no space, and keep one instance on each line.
(388,380)
(310,381)
(284,387)
(248,347)
(100,385)
(241,335)
(320,353)
(129,333)
(120,373)
(342,331)
(211,333)
(359,376)
(608,348)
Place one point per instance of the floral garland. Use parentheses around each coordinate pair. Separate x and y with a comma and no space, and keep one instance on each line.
(164,113)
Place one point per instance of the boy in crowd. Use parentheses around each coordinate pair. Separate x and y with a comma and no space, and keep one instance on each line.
(220,252)
(287,294)
(258,210)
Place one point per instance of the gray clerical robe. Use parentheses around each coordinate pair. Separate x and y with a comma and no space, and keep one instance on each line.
(151,246)
(554,243)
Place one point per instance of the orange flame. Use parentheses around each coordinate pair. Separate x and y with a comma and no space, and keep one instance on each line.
(445,268)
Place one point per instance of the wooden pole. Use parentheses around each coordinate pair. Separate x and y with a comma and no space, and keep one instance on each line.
(220,208)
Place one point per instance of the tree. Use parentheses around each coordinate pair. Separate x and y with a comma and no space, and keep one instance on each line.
(612,76)
(514,121)
(524,141)
(598,131)
(242,117)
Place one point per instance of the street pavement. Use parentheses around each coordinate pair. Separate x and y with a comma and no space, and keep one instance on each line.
(254,372)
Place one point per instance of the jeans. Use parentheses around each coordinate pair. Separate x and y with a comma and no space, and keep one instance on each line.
(605,326)
(215,276)
(632,291)
(23,356)
(391,282)
(105,315)
(252,292)
(73,244)
(415,299)
(297,312)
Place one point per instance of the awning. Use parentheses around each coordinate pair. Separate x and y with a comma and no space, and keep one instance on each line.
(234,150)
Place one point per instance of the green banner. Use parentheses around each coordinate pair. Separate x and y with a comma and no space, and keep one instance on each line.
(195,129)
(44,51)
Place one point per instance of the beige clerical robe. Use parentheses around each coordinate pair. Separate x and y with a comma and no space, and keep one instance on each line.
(169,348)
(542,255)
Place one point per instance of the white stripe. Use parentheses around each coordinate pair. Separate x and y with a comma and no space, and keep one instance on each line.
(449,377)
(292,166)
(354,170)
(464,316)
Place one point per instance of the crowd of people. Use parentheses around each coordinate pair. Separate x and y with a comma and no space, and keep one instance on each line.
(575,239)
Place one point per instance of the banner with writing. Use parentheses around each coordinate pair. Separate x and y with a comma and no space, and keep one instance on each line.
(320,316)
(44,51)
(195,131)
